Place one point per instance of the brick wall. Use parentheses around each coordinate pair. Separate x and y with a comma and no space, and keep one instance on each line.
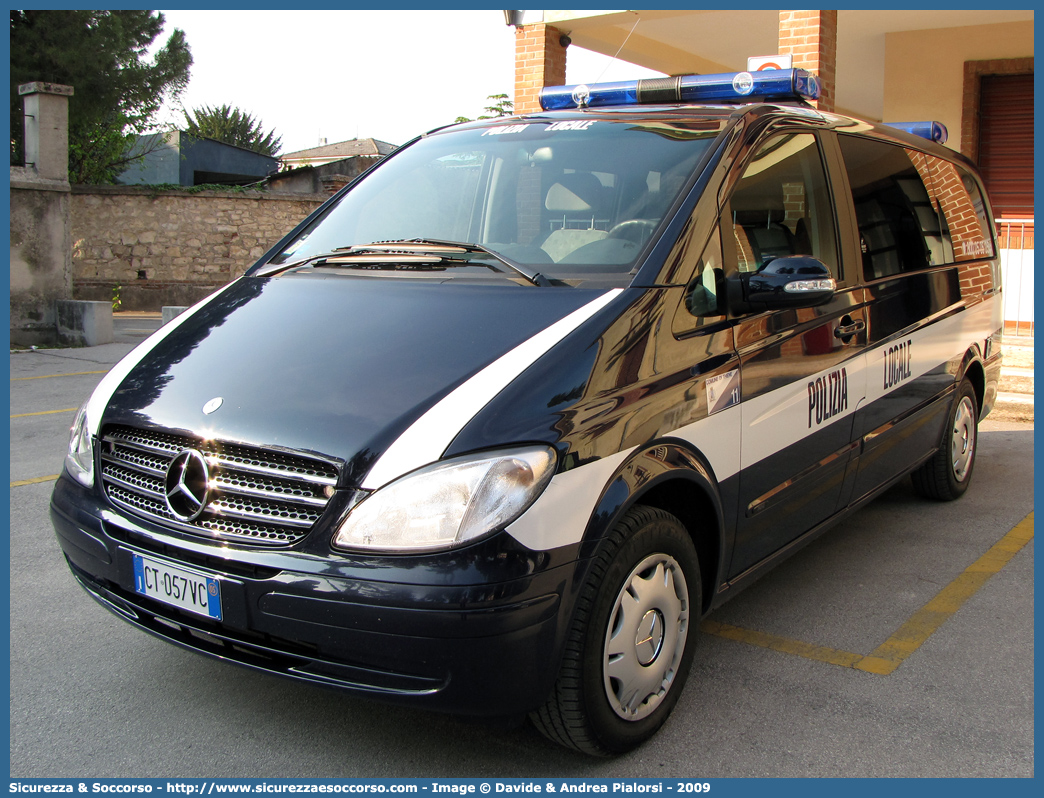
(540,60)
(172,247)
(811,38)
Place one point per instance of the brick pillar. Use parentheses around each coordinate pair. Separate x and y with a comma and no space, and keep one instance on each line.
(811,38)
(540,60)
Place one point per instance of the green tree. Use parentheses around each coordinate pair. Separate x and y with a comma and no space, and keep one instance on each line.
(499,105)
(232,126)
(103,55)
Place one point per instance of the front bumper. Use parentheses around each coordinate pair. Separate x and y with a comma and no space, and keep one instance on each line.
(450,636)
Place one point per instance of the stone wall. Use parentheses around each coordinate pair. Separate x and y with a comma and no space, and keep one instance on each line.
(172,247)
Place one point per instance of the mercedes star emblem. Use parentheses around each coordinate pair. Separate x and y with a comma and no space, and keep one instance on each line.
(187,485)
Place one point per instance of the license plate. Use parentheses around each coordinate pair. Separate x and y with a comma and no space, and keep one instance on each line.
(186,590)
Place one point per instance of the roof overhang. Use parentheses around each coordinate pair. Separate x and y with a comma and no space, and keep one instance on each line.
(692,41)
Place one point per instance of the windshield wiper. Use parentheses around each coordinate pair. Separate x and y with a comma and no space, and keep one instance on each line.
(413,253)
(344,256)
(439,246)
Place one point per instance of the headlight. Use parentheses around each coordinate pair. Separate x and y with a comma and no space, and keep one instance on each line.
(80,459)
(447,504)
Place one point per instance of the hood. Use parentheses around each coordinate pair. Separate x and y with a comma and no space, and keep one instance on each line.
(339,366)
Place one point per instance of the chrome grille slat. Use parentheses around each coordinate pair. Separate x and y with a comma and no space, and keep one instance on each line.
(239,465)
(133,481)
(259,493)
(163,444)
(227,527)
(155,466)
(257,496)
(135,501)
(255,512)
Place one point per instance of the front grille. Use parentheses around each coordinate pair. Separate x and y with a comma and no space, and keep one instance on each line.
(256,496)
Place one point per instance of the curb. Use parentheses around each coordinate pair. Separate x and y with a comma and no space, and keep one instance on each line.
(1012,407)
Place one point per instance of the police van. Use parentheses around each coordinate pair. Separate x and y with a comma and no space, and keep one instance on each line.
(496,426)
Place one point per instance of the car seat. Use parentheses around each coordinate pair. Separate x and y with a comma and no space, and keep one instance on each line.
(575,201)
(761,220)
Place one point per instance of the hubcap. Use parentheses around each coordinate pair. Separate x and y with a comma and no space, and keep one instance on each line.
(646,637)
(962,448)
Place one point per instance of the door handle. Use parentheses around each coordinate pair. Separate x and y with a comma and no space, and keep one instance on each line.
(710,364)
(849,327)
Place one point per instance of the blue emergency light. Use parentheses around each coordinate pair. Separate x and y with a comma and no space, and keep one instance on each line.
(730,87)
(933,131)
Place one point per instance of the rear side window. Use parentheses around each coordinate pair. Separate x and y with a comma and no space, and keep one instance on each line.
(900,228)
(964,213)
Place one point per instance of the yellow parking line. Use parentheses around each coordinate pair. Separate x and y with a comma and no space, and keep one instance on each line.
(831,656)
(70,374)
(912,634)
(890,654)
(44,412)
(34,481)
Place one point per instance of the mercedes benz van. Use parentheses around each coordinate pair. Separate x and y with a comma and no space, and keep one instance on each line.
(493,429)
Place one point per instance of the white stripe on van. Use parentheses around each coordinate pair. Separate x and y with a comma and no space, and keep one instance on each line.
(118,373)
(430,435)
(747,433)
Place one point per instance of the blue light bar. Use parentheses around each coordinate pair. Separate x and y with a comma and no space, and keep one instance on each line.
(933,131)
(731,87)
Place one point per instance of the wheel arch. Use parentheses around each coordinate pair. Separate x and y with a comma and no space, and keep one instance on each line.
(973,369)
(670,475)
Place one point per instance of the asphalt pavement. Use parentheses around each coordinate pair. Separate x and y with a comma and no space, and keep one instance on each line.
(787,680)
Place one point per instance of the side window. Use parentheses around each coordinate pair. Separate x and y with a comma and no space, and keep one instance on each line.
(703,302)
(900,228)
(701,292)
(966,224)
(781,206)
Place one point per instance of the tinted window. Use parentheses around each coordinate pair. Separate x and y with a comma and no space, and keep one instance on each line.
(966,226)
(899,226)
(781,205)
(701,292)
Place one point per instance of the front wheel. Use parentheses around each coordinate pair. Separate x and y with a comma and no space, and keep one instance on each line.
(632,639)
(947,475)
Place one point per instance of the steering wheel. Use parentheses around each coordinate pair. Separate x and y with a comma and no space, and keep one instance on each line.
(634,230)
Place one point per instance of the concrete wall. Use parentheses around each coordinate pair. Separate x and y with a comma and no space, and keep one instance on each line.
(924,70)
(41,269)
(172,247)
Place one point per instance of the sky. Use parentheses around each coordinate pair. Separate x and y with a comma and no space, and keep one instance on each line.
(338,75)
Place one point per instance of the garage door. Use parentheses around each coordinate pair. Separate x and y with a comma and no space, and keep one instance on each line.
(1006,143)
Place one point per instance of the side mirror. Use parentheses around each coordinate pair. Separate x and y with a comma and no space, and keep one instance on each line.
(780,284)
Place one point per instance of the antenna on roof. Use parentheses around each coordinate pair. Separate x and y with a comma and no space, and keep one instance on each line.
(620,49)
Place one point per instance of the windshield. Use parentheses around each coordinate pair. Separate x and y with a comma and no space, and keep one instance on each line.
(561,197)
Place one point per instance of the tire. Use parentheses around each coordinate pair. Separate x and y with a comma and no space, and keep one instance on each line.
(947,475)
(631,643)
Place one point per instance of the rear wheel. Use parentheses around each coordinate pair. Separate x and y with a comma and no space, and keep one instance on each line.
(947,475)
(632,639)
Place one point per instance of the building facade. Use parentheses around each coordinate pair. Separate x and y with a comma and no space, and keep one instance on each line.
(970,69)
